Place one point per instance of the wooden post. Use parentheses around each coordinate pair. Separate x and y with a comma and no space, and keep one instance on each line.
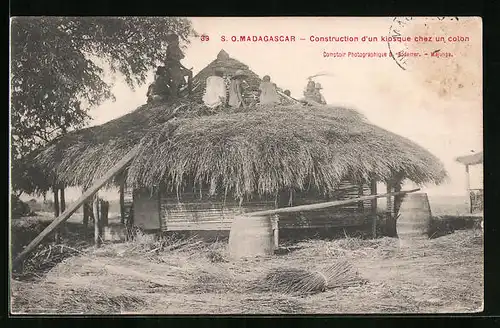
(397,199)
(62,205)
(467,185)
(122,202)
(390,219)
(86,214)
(63,200)
(373,191)
(312,207)
(276,233)
(388,187)
(467,177)
(56,202)
(360,194)
(57,236)
(104,210)
(72,209)
(97,222)
(159,193)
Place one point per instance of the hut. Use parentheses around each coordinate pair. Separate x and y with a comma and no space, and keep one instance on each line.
(196,171)
(476,195)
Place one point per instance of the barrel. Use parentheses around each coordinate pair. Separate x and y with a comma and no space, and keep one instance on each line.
(414,217)
(250,237)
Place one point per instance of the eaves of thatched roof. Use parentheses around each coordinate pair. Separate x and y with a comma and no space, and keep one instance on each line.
(257,150)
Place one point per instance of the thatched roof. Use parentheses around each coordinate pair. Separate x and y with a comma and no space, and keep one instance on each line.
(258,150)
(472,159)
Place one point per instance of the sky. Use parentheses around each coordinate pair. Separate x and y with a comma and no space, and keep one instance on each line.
(436,102)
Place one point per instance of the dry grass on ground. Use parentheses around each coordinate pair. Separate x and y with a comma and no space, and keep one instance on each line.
(174,276)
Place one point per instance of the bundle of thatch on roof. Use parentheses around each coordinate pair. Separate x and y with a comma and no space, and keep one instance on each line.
(257,150)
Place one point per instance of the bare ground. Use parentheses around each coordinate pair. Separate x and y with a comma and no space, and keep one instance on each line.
(442,275)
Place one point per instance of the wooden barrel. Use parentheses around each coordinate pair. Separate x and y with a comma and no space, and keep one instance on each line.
(415,217)
(250,237)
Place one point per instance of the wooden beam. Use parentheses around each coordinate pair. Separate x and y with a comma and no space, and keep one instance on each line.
(373,191)
(318,206)
(72,209)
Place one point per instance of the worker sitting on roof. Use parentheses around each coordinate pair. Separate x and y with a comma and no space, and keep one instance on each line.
(268,94)
(215,92)
(288,93)
(159,90)
(235,90)
(176,71)
(310,89)
(317,92)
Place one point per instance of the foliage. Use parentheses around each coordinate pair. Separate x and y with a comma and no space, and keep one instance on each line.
(18,207)
(58,68)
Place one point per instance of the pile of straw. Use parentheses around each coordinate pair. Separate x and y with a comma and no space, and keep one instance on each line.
(44,258)
(293,280)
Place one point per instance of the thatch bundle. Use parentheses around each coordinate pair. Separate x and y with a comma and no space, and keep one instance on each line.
(294,280)
(256,150)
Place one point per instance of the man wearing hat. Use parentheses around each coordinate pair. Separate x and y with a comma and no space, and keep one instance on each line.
(176,70)
(215,91)
(235,90)
(319,97)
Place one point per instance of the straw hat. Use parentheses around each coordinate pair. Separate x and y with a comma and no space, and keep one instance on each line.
(318,86)
(239,73)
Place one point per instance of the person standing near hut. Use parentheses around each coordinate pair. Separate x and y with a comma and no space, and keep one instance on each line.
(215,92)
(235,90)
(268,94)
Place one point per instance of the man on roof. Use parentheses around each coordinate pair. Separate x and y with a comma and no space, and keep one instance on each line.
(176,71)
(311,95)
(159,90)
(236,91)
(215,92)
(317,92)
(268,94)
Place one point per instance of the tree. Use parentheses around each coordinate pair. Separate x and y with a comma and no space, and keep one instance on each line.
(58,68)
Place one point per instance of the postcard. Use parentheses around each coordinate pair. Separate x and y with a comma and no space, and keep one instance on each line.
(246,165)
